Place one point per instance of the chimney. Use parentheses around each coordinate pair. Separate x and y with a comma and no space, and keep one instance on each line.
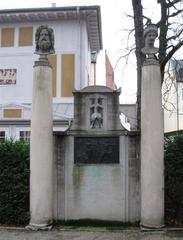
(53,5)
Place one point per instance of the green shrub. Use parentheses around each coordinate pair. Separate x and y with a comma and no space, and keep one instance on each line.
(174,180)
(14,182)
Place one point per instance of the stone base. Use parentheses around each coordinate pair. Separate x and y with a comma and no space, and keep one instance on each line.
(38,227)
(150,227)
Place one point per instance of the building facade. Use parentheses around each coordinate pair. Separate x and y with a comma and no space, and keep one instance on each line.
(172,92)
(77,32)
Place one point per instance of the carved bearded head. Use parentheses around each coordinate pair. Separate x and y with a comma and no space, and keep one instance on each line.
(44,40)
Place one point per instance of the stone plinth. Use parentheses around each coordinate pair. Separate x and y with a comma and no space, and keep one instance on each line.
(41,151)
(152,150)
(96,100)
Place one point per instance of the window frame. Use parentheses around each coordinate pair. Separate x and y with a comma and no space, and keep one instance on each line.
(22,129)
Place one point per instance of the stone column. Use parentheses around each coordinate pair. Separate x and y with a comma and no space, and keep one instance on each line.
(41,151)
(152,147)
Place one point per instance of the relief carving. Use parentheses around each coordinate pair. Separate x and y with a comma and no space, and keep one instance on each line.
(96,112)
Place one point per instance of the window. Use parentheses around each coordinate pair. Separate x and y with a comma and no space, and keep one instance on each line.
(2,136)
(12,113)
(24,136)
(7,37)
(25,36)
(179,77)
(68,74)
(181,101)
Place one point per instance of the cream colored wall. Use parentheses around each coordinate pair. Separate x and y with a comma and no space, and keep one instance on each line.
(172,122)
(70,38)
(93,74)
(173,104)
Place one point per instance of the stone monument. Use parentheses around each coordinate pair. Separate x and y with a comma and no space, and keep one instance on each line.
(152,136)
(41,150)
(150,34)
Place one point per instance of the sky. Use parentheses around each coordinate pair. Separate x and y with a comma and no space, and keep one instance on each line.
(115,26)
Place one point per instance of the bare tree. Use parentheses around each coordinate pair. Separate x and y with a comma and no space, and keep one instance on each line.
(171,31)
(139,42)
(170,36)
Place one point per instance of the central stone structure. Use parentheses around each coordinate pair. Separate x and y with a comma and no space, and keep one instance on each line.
(96,162)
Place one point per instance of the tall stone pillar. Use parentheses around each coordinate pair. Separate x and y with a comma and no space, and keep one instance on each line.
(152,142)
(41,149)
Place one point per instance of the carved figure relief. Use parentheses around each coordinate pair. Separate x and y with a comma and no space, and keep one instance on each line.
(96,112)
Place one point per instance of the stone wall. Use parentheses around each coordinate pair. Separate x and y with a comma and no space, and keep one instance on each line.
(107,192)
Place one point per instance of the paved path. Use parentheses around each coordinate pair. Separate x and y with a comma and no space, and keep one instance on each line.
(21,234)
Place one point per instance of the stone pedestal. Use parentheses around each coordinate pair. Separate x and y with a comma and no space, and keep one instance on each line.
(152,148)
(41,151)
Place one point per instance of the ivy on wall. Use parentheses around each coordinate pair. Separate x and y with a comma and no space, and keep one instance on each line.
(14,182)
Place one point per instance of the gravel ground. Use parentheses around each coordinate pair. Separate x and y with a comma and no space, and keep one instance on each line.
(95,234)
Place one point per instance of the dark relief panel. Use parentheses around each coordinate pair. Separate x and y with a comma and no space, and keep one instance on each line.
(98,150)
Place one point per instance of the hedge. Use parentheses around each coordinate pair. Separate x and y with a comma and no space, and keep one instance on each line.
(174,180)
(14,182)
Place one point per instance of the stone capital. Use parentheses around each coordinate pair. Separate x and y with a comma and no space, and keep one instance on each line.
(42,63)
(150,62)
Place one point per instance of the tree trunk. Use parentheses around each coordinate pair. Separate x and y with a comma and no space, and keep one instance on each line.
(139,41)
(163,25)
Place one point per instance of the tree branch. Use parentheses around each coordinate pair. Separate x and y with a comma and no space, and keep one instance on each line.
(175,36)
(172,4)
(124,56)
(176,13)
(170,54)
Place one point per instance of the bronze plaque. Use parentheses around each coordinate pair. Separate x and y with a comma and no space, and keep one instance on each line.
(96,150)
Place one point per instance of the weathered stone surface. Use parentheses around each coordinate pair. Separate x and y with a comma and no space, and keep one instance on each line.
(152,150)
(96,109)
(97,191)
(41,151)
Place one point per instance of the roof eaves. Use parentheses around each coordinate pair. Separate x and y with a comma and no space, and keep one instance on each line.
(9,14)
